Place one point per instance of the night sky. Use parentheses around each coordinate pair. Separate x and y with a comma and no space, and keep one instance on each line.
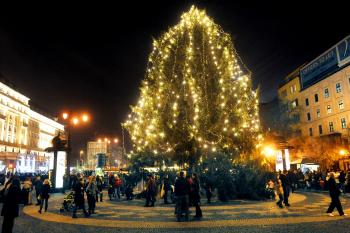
(93,57)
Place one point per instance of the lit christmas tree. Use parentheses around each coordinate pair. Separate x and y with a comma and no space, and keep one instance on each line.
(197,96)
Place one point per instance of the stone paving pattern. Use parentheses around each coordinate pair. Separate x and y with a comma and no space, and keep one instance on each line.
(306,214)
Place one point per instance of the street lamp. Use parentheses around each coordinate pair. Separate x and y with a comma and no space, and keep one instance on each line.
(72,120)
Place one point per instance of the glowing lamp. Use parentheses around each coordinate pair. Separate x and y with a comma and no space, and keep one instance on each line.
(65,115)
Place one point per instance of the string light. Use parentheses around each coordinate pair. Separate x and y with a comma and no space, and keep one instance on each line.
(195,87)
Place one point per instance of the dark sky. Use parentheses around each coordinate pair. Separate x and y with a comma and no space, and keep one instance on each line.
(93,57)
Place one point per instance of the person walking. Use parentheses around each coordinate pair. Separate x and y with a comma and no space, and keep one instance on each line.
(38,185)
(334,193)
(79,198)
(44,195)
(91,193)
(117,187)
(111,181)
(10,207)
(286,187)
(99,185)
(279,192)
(182,190)
(27,191)
(166,188)
(196,198)
(151,192)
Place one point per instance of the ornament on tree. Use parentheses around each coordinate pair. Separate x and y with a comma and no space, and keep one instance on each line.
(197,95)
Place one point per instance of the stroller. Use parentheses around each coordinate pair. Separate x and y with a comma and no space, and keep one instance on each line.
(68,202)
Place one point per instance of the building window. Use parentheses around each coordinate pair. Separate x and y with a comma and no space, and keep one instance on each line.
(320,129)
(318,112)
(338,87)
(308,116)
(326,93)
(343,123)
(331,127)
(310,132)
(293,89)
(307,102)
(341,104)
(295,103)
(329,109)
(316,98)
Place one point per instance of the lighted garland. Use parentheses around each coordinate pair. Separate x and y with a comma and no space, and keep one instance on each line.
(195,89)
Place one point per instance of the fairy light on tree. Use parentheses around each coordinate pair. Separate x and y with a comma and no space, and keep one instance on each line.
(197,96)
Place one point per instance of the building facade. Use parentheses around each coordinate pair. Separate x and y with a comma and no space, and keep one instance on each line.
(113,152)
(93,149)
(321,91)
(24,134)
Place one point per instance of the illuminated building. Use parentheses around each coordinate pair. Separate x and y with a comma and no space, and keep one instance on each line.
(113,152)
(24,133)
(321,91)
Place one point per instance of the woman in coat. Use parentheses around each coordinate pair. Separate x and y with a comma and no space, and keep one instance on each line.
(10,208)
(44,195)
(334,192)
(196,198)
(91,193)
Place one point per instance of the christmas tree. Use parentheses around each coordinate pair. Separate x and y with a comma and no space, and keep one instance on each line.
(197,95)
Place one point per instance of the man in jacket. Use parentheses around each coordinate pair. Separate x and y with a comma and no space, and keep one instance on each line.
(79,198)
(151,192)
(182,190)
(10,208)
(334,192)
(286,187)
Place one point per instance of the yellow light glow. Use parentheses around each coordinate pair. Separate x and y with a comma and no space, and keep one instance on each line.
(269,151)
(343,152)
(75,121)
(85,118)
(65,115)
(116,140)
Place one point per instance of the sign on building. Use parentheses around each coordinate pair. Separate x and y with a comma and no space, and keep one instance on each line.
(327,63)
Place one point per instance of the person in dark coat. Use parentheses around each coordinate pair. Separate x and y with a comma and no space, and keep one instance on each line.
(342,179)
(44,195)
(38,185)
(10,208)
(166,187)
(286,187)
(182,190)
(151,192)
(79,198)
(334,192)
(196,198)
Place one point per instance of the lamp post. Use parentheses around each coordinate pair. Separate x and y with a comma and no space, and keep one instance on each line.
(72,120)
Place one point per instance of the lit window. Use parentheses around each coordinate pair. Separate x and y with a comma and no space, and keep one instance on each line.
(307,102)
(320,129)
(308,116)
(341,104)
(326,93)
(343,123)
(338,87)
(295,103)
(318,112)
(331,127)
(316,98)
(329,109)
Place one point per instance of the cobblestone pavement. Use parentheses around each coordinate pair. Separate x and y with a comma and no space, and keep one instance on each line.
(307,214)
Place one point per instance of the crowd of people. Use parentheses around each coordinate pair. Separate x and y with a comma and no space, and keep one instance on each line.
(289,181)
(183,191)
